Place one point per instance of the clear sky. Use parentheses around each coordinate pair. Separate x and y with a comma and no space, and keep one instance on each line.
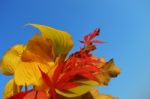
(125,26)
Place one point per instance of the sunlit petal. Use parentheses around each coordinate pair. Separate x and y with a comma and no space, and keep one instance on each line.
(11,58)
(10,89)
(61,41)
(28,72)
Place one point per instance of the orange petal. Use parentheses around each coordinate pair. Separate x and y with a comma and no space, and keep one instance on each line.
(36,95)
(38,49)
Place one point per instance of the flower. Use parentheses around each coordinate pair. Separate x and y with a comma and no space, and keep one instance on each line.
(23,61)
(42,63)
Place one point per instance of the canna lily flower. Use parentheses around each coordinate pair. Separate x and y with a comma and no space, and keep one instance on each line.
(42,63)
(23,61)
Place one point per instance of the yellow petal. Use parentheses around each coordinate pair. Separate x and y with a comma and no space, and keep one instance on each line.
(96,95)
(108,70)
(10,89)
(28,73)
(61,41)
(92,94)
(38,49)
(10,59)
(79,90)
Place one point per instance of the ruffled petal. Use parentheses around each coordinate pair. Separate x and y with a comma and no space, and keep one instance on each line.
(10,59)
(61,41)
(10,89)
(107,71)
(28,73)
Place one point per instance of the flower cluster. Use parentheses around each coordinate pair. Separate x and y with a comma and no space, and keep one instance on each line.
(42,64)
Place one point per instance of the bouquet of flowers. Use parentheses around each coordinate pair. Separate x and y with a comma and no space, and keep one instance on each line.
(41,69)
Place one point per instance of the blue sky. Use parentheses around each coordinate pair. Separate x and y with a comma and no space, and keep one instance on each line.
(125,26)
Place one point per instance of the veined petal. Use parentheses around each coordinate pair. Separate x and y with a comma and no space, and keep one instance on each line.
(38,49)
(61,41)
(28,73)
(10,59)
(10,89)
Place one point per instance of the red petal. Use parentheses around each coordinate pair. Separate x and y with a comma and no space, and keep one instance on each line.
(42,95)
(86,37)
(88,75)
(95,33)
(31,95)
(91,69)
(66,85)
(69,75)
(53,94)
(46,78)
(36,95)
(97,41)
(19,95)
(57,72)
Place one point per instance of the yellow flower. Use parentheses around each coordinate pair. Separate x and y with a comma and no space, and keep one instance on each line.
(41,51)
(40,61)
